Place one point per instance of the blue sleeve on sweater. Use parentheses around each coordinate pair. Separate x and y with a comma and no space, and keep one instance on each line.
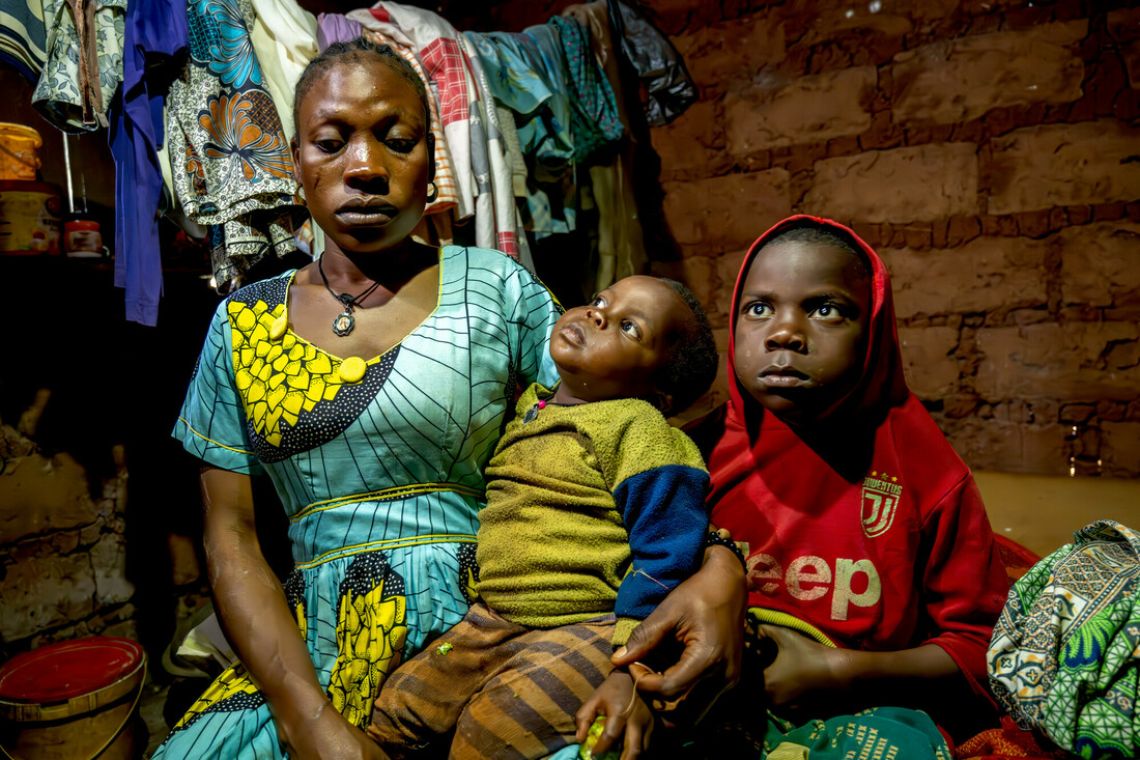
(664,513)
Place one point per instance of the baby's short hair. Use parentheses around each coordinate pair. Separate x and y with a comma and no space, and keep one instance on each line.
(816,233)
(693,359)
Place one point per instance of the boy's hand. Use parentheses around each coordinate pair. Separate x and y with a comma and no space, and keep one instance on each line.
(801,670)
(623,709)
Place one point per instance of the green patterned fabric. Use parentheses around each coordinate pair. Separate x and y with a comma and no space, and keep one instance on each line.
(881,732)
(1065,655)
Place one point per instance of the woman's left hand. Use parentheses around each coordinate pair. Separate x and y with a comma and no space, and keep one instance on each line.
(705,616)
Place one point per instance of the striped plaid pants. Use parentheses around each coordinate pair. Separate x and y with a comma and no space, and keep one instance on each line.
(504,690)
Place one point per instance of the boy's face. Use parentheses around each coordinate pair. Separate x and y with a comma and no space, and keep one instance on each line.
(801,328)
(612,347)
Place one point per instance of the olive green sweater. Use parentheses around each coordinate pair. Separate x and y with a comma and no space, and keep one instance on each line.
(591,509)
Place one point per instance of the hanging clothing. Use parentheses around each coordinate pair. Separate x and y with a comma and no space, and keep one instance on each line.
(666,86)
(621,245)
(525,73)
(284,38)
(335,27)
(491,163)
(84,65)
(233,166)
(381,474)
(517,165)
(514,150)
(23,37)
(595,125)
(1065,655)
(890,532)
(155,36)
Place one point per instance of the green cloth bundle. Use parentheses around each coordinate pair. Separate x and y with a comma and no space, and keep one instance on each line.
(1065,654)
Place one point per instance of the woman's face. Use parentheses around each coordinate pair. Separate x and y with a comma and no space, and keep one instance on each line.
(361,154)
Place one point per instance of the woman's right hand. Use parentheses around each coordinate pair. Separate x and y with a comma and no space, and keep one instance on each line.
(328,736)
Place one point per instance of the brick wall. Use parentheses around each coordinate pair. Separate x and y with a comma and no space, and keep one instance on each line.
(62,549)
(989,149)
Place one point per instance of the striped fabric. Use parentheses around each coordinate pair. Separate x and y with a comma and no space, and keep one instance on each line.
(23,37)
(507,691)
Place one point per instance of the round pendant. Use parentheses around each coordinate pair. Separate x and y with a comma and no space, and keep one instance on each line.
(344,323)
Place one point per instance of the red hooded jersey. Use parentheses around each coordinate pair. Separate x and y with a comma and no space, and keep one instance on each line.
(877,536)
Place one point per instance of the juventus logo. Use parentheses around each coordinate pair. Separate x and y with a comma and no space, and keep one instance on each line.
(881,493)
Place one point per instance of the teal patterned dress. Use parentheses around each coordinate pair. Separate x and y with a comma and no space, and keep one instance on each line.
(379,463)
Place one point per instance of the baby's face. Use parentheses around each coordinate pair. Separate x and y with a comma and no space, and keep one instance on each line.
(801,328)
(612,347)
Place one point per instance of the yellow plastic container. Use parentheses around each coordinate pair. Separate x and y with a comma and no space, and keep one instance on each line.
(19,151)
(30,218)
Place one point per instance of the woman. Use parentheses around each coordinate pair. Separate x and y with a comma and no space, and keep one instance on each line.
(371,387)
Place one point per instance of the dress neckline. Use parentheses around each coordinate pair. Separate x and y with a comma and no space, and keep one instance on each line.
(378,357)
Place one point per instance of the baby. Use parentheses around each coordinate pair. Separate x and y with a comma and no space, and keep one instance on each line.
(595,511)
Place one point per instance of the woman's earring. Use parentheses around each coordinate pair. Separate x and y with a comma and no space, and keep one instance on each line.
(433,191)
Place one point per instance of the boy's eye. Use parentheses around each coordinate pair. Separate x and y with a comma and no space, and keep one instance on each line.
(758,310)
(328,146)
(598,302)
(630,328)
(829,312)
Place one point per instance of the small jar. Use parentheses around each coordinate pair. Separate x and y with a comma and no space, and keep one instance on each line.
(81,237)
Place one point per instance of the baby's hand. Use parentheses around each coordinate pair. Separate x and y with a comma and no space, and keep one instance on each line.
(616,701)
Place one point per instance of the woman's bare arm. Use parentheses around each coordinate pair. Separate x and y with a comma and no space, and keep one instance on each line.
(251,605)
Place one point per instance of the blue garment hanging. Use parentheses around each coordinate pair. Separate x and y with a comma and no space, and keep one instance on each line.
(154,39)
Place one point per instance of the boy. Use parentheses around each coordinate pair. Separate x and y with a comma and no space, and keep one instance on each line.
(863,528)
(595,508)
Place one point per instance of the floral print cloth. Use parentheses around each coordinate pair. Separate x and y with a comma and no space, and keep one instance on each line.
(233,169)
(84,62)
(1065,654)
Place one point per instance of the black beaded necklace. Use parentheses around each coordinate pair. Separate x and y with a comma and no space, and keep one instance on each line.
(344,322)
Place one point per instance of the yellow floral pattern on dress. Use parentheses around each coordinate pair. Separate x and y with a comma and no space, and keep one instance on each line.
(279,377)
(232,690)
(370,632)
